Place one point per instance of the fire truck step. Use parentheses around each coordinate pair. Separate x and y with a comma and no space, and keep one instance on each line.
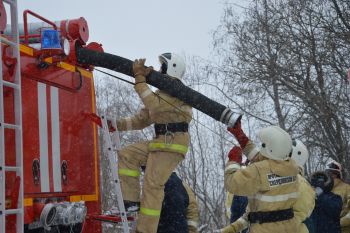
(8,42)
(9,84)
(12,169)
(111,218)
(13,211)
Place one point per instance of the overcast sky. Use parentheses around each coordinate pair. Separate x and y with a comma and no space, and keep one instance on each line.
(134,29)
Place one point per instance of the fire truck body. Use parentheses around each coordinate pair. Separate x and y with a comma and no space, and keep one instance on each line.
(60,141)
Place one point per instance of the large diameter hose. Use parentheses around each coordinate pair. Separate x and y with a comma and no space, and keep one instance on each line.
(158,80)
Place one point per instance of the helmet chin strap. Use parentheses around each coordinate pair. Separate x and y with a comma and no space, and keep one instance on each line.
(164,68)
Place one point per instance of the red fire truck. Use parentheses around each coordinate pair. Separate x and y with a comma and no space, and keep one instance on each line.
(49,157)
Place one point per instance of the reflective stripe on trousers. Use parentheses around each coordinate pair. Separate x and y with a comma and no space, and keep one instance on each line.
(171,147)
(276,198)
(128,172)
(150,212)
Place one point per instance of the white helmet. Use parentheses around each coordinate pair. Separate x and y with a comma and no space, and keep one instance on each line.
(276,143)
(335,167)
(299,154)
(172,65)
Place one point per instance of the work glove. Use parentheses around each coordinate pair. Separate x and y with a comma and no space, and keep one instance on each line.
(235,154)
(237,131)
(318,191)
(140,71)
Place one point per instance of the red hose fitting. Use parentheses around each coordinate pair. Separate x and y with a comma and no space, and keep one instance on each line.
(75,29)
(95,47)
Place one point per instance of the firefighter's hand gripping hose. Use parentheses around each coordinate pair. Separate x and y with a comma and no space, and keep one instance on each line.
(140,71)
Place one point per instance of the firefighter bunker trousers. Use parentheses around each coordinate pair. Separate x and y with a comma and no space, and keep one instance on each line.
(159,166)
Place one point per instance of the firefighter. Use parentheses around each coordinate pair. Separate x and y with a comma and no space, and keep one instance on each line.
(270,182)
(326,216)
(236,206)
(164,152)
(303,206)
(342,189)
(228,204)
(179,210)
(235,209)
(306,201)
(238,213)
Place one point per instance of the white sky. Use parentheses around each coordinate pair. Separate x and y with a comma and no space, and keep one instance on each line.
(134,29)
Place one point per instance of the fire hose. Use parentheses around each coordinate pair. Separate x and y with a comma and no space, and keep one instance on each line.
(171,86)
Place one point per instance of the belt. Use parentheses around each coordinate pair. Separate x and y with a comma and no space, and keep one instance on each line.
(270,216)
(162,129)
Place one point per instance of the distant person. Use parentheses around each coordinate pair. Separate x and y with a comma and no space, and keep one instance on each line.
(326,215)
(179,210)
(342,189)
(236,207)
(306,201)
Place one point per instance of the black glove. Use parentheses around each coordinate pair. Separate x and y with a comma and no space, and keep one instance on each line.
(322,180)
(318,179)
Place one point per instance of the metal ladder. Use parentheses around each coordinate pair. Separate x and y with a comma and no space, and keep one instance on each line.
(17,126)
(112,141)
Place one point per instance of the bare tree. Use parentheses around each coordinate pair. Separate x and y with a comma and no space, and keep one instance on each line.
(287,54)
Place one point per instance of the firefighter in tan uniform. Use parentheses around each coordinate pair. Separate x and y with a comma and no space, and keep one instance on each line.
(161,155)
(306,201)
(192,210)
(342,189)
(179,211)
(304,205)
(270,182)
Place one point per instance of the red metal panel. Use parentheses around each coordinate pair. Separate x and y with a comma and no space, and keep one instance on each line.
(30,124)
(78,137)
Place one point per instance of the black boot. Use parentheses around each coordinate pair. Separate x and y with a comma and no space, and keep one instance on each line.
(131,206)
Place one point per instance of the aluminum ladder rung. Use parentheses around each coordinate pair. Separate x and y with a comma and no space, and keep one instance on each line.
(113,165)
(9,84)
(10,126)
(11,2)
(13,211)
(13,43)
(12,169)
(8,42)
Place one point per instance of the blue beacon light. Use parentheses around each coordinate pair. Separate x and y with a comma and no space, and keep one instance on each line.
(50,39)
